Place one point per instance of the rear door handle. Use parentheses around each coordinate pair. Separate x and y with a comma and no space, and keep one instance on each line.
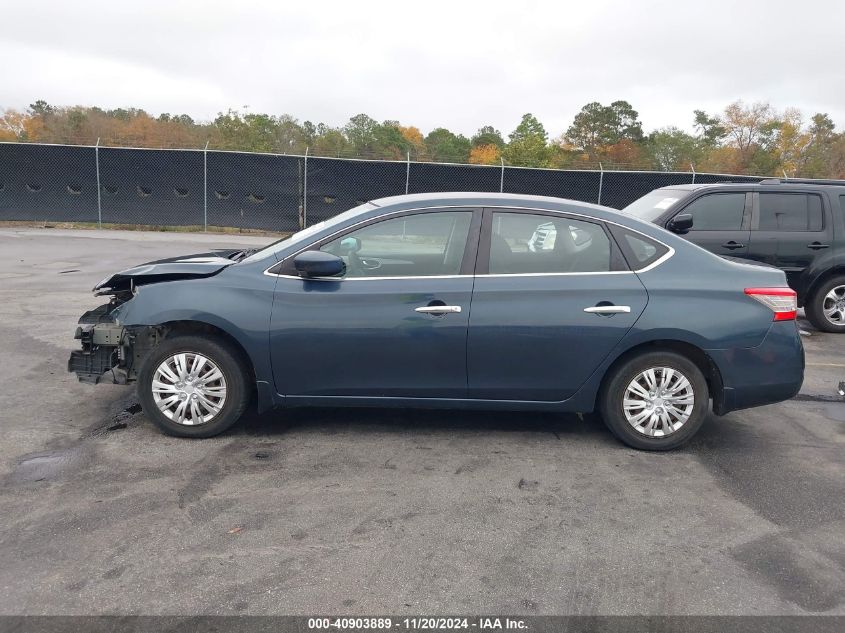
(733,245)
(608,309)
(438,309)
(817,246)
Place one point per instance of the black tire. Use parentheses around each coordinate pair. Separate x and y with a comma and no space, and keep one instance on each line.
(814,306)
(611,397)
(230,363)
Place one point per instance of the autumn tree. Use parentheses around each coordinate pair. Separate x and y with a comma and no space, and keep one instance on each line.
(484,154)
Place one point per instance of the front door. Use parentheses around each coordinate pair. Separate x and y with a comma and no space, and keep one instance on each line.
(394,325)
(552,298)
(721,223)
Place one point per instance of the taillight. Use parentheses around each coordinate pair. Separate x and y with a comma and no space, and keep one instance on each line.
(782,301)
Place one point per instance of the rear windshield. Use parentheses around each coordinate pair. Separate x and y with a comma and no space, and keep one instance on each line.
(653,204)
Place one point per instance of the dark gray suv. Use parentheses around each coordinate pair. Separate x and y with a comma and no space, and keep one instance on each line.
(797,227)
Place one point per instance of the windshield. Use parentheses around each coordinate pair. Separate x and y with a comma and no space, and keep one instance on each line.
(304,234)
(653,204)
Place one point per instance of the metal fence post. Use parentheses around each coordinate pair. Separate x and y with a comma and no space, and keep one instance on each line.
(692,167)
(305,192)
(407,173)
(601,181)
(205,188)
(99,200)
(502,176)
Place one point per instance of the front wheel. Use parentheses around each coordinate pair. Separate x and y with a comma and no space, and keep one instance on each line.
(825,308)
(192,386)
(655,401)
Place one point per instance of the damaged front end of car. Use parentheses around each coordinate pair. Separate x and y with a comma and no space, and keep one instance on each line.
(112,352)
(109,351)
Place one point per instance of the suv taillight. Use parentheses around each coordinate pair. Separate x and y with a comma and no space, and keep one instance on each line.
(782,301)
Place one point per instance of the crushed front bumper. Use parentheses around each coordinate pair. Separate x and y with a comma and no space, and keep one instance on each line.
(103,348)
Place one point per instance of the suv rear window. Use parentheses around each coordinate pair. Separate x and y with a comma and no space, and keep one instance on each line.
(790,212)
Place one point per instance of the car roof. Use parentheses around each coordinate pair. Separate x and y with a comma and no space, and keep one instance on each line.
(475,198)
(770,185)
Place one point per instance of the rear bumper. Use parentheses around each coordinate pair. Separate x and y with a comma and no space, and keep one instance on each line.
(771,372)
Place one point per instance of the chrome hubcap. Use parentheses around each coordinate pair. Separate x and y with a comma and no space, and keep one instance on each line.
(834,305)
(189,388)
(658,401)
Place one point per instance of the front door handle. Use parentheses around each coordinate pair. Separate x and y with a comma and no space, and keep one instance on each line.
(438,309)
(608,309)
(817,246)
(732,245)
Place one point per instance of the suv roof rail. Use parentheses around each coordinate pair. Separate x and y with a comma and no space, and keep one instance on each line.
(770,181)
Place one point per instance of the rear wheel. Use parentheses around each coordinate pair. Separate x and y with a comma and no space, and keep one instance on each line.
(826,307)
(191,386)
(655,401)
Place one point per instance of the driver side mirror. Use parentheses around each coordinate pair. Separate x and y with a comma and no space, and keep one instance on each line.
(318,264)
(680,224)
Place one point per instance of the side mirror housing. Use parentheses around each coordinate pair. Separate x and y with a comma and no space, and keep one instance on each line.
(681,223)
(318,264)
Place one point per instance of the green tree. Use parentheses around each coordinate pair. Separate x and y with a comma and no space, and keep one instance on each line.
(528,144)
(360,131)
(710,129)
(597,126)
(673,150)
(444,146)
(488,135)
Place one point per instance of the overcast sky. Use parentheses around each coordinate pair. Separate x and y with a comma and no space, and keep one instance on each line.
(454,64)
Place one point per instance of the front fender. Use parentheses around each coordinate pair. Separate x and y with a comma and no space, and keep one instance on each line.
(228,302)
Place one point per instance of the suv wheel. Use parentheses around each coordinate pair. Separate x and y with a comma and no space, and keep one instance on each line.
(655,401)
(826,307)
(191,386)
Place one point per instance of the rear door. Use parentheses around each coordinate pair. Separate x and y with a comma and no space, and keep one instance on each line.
(721,222)
(790,229)
(552,297)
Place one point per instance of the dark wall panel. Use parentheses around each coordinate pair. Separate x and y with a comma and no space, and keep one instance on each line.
(47,182)
(337,185)
(149,186)
(574,185)
(433,177)
(254,191)
(265,191)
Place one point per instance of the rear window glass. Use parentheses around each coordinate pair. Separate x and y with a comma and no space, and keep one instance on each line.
(640,251)
(790,212)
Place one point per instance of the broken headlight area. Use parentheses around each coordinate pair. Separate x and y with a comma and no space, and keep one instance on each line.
(110,352)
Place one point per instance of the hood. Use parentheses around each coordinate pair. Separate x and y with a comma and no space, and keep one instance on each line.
(170,269)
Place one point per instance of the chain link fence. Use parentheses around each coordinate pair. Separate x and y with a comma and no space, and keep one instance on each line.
(270,192)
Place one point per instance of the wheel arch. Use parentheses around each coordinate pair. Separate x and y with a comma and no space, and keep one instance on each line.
(177,327)
(695,354)
(820,279)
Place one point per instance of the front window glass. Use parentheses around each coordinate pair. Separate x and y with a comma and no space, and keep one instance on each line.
(526,243)
(304,234)
(717,212)
(420,245)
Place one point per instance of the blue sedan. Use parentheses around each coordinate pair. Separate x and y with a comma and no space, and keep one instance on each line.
(453,300)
